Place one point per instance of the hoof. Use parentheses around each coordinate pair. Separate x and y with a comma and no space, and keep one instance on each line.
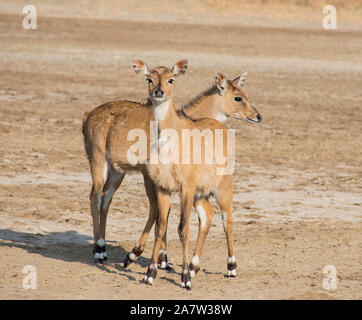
(151,274)
(99,258)
(186,279)
(165,266)
(126,262)
(131,257)
(232,265)
(193,270)
(231,273)
(148,280)
(162,260)
(100,254)
(194,266)
(186,285)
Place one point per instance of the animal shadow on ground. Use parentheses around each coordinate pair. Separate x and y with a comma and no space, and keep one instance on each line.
(68,246)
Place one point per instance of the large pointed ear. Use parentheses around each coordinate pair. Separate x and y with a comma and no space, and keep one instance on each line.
(140,67)
(179,68)
(221,83)
(239,81)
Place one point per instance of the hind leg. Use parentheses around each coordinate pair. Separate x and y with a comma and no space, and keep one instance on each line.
(97,170)
(224,201)
(112,184)
(205,213)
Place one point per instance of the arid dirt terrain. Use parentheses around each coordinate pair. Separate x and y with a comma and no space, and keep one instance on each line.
(298,188)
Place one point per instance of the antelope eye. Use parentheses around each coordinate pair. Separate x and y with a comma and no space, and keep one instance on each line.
(171,81)
(149,80)
(239,99)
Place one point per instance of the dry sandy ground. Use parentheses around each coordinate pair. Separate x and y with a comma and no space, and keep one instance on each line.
(298,183)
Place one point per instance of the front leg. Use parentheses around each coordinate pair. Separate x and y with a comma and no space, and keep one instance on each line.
(225,202)
(162,257)
(164,202)
(184,234)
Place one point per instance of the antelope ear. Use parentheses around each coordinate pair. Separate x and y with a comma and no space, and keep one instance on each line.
(239,81)
(221,83)
(179,68)
(140,67)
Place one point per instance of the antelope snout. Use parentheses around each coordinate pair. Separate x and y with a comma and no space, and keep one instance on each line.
(159,93)
(257,118)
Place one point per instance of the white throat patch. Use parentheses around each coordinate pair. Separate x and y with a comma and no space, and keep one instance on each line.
(160,110)
(222,117)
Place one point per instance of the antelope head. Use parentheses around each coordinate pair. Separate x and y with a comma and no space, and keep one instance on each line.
(235,102)
(160,79)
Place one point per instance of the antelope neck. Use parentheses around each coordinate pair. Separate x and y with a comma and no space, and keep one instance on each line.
(160,109)
(163,111)
(206,106)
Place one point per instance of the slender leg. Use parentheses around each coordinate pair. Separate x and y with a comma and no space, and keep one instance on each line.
(162,258)
(225,202)
(95,146)
(112,184)
(205,212)
(164,201)
(184,234)
(152,197)
(97,169)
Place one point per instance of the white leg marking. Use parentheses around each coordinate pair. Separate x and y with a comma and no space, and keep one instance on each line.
(231,259)
(105,171)
(149,280)
(98,255)
(202,215)
(195,260)
(107,197)
(101,242)
(113,177)
(164,264)
(132,256)
(232,273)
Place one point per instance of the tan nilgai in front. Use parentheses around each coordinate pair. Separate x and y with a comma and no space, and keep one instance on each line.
(107,127)
(196,181)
